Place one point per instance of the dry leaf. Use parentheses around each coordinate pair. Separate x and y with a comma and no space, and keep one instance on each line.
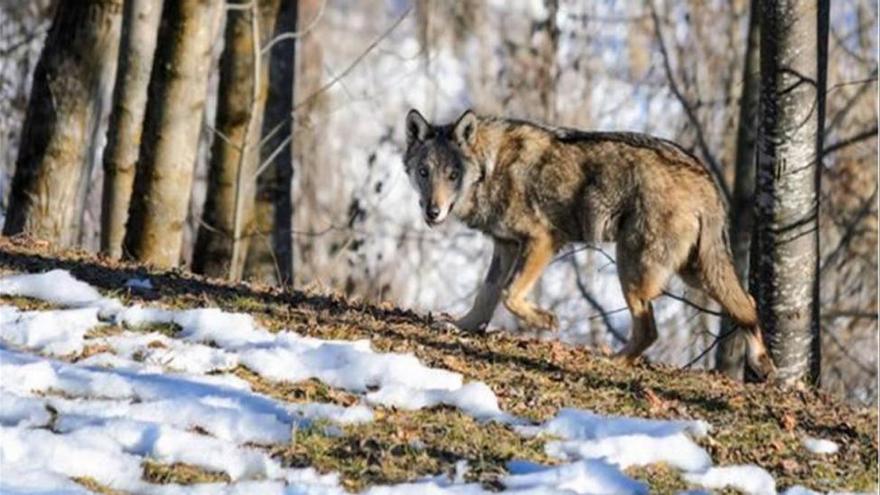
(788,422)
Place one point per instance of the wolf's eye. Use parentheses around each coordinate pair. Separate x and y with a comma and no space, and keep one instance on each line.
(453,176)
(423,171)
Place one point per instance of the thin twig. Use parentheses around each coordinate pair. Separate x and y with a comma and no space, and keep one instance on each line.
(295,34)
(692,304)
(240,6)
(723,336)
(595,304)
(843,143)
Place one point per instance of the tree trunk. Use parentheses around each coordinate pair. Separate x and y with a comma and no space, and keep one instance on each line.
(823,18)
(270,258)
(729,357)
(62,127)
(547,32)
(140,27)
(163,179)
(312,174)
(227,220)
(785,243)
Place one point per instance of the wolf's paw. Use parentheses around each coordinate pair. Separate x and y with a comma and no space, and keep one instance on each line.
(544,320)
(763,366)
(626,356)
(467,325)
(446,323)
(443,322)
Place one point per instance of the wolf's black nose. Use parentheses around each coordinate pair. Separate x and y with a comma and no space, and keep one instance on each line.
(433,212)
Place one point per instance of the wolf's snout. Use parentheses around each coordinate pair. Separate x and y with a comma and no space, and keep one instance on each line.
(432,212)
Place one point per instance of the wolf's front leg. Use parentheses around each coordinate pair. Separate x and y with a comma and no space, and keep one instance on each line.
(503,257)
(536,255)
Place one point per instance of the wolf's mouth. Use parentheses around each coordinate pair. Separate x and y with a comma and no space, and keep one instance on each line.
(432,223)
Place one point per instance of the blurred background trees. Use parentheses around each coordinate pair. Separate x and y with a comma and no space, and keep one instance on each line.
(137,45)
(62,127)
(261,141)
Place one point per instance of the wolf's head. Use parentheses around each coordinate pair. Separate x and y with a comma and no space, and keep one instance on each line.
(436,162)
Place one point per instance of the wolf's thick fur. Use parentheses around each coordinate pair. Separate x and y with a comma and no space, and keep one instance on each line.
(534,188)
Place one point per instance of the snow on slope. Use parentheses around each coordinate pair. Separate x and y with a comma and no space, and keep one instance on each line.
(144,395)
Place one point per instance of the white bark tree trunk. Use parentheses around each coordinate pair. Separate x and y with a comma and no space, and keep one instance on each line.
(785,243)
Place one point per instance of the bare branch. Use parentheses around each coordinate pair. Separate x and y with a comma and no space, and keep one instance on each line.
(692,304)
(333,81)
(843,143)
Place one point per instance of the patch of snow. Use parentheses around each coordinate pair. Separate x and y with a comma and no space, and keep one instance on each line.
(749,479)
(108,421)
(800,490)
(25,412)
(475,399)
(56,332)
(576,424)
(588,476)
(335,413)
(399,380)
(819,445)
(28,480)
(624,441)
(427,488)
(139,283)
(159,351)
(215,340)
(677,450)
(57,287)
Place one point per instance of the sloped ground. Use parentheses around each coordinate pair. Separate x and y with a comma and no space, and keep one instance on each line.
(751,424)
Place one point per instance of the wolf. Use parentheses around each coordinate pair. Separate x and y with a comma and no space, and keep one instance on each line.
(534,188)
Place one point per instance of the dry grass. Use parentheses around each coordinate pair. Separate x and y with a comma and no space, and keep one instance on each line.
(180,473)
(92,485)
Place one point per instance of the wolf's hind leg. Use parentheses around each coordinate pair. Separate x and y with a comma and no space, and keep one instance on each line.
(640,287)
(503,256)
(536,255)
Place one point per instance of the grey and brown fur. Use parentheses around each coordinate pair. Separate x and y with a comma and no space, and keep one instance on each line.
(533,189)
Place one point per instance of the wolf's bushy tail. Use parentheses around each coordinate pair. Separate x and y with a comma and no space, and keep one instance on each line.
(720,280)
(718,274)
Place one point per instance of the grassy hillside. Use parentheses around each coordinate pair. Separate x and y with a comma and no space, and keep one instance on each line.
(757,424)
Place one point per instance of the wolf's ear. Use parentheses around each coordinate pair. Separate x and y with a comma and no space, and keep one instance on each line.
(466,128)
(417,127)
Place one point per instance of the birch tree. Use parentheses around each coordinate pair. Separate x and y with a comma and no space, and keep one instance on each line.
(222,242)
(175,107)
(785,242)
(140,27)
(69,98)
